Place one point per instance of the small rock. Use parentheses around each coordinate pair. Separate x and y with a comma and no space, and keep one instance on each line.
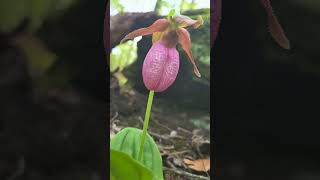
(173,134)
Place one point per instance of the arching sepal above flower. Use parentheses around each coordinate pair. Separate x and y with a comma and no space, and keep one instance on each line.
(159,25)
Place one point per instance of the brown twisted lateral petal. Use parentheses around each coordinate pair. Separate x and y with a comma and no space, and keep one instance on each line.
(185,21)
(274,26)
(159,25)
(184,40)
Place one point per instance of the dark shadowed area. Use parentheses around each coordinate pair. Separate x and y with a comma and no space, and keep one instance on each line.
(266,99)
(53,106)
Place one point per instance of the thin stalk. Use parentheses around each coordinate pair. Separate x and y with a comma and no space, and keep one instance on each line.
(145,124)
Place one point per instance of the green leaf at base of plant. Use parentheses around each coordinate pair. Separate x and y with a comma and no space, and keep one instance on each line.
(123,167)
(128,141)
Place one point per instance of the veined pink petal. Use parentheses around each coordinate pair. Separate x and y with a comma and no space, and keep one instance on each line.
(160,67)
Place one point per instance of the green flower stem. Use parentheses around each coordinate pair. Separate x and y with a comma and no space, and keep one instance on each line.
(145,124)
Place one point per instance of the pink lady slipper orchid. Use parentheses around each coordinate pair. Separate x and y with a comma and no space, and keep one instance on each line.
(161,64)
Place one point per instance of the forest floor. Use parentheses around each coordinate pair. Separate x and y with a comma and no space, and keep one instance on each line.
(179,139)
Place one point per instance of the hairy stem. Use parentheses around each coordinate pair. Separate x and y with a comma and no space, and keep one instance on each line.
(145,124)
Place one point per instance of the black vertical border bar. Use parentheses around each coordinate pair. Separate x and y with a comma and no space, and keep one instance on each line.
(106,140)
(212,170)
(215,21)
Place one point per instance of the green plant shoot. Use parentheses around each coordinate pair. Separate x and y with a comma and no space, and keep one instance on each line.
(145,123)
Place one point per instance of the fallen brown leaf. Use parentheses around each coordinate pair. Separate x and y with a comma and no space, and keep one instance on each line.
(202,165)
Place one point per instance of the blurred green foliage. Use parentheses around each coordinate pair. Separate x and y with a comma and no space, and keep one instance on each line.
(116,5)
(39,57)
(188,5)
(160,4)
(201,123)
(121,57)
(180,6)
(13,12)
(312,5)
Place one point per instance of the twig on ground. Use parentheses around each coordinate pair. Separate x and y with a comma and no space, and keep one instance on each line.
(184,130)
(170,164)
(180,152)
(161,136)
(183,173)
(114,117)
(159,124)
(140,119)
(166,147)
